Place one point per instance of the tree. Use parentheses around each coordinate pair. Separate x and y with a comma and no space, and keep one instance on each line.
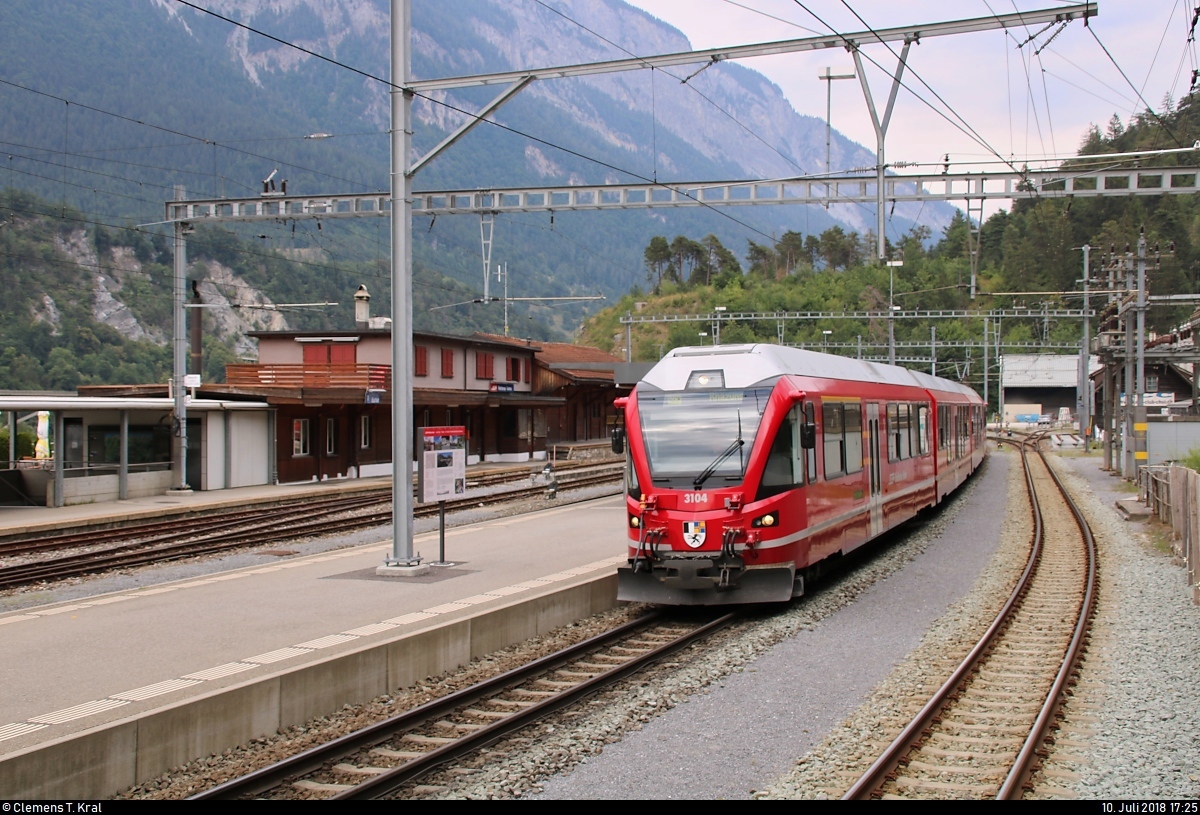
(658,256)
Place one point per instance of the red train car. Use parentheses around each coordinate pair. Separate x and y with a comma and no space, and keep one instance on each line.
(751,466)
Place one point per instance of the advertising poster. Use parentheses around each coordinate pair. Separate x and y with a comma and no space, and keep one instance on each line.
(441,463)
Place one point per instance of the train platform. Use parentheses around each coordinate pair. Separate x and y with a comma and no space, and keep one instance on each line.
(93,662)
(41,520)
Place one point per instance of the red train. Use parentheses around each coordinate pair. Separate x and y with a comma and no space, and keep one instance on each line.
(750,466)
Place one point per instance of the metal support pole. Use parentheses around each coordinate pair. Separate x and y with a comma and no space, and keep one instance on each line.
(60,444)
(628,340)
(123,467)
(179,345)
(933,350)
(1129,383)
(828,78)
(402,561)
(229,448)
(12,440)
(881,126)
(195,330)
(1107,413)
(985,367)
(1141,456)
(1085,351)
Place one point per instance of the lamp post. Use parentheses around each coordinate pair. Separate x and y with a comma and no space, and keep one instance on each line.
(825,340)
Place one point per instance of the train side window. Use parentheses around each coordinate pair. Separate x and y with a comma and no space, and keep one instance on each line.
(854,449)
(831,428)
(810,455)
(923,428)
(904,433)
(893,422)
(785,468)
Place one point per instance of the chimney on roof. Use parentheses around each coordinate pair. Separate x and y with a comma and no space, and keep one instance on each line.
(362,308)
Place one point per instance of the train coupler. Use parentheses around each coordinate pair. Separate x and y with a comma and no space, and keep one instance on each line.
(647,549)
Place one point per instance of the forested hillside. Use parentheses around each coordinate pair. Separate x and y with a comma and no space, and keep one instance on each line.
(89,304)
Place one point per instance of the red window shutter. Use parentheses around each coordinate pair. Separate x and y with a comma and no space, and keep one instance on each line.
(480,365)
(420,361)
(489,366)
(316,354)
(528,365)
(447,363)
(342,353)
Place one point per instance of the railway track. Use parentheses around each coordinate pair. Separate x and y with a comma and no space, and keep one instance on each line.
(980,735)
(147,544)
(386,759)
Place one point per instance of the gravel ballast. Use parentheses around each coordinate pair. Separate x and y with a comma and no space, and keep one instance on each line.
(1133,728)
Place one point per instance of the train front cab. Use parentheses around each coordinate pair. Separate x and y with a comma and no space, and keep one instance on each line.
(866,465)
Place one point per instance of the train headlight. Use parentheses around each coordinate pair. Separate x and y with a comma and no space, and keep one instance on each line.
(767,521)
(634,521)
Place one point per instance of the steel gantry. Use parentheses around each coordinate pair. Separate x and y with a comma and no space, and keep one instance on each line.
(401,203)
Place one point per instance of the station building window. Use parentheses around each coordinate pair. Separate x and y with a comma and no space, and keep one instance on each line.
(300,438)
(364,432)
(331,437)
(485,365)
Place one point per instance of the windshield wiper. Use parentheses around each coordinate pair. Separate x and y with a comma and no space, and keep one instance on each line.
(734,447)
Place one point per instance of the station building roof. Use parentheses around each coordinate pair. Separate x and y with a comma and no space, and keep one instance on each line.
(1042,370)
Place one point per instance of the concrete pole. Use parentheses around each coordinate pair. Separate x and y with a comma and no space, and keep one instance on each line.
(402,561)
(628,338)
(179,342)
(12,440)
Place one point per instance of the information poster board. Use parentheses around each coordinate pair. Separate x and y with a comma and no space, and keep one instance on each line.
(441,463)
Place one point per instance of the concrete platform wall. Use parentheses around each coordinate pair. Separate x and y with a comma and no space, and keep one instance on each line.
(95,489)
(105,760)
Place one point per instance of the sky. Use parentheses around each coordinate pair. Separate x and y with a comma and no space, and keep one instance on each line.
(1019,104)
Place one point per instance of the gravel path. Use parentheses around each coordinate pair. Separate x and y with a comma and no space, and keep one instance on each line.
(1135,732)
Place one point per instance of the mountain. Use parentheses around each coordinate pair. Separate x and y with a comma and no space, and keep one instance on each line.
(105,105)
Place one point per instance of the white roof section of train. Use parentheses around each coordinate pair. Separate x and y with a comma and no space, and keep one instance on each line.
(746,365)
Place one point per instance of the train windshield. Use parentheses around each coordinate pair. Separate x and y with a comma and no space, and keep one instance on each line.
(687,433)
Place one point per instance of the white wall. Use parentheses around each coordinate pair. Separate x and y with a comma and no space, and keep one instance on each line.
(250,447)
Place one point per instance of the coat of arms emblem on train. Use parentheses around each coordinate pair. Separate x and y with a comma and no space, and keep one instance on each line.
(694,533)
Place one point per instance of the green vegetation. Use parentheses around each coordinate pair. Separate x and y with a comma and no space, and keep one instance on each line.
(51,257)
(1192,460)
(1028,257)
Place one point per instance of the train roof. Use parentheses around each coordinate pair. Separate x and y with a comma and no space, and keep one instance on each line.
(746,365)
